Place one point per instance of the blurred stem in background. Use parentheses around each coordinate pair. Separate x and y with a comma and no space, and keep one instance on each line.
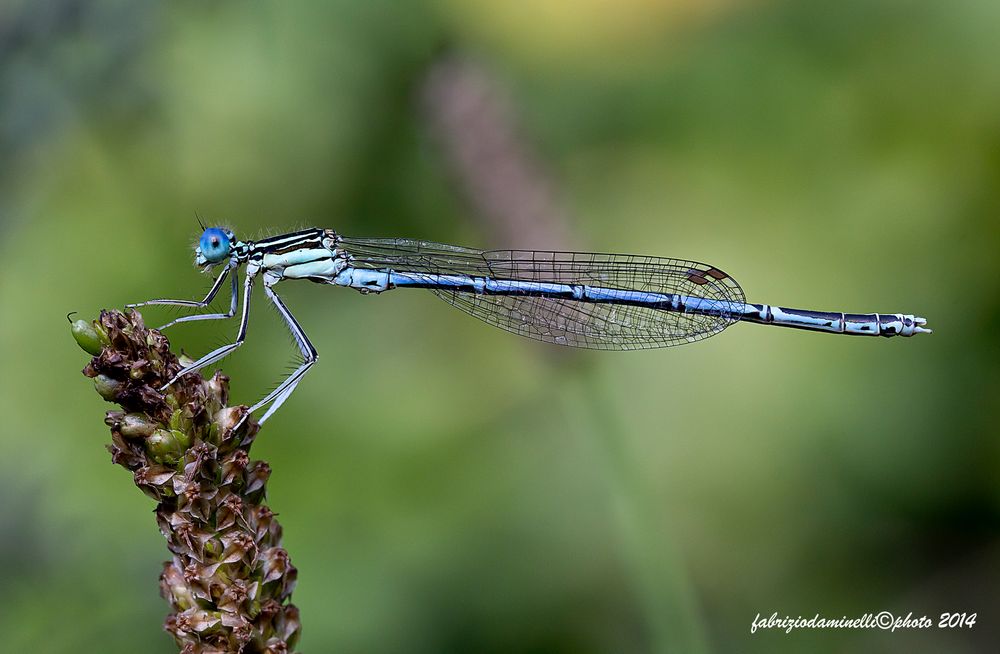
(517,203)
(652,557)
(495,167)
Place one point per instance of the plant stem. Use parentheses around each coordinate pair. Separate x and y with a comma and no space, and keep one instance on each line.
(229,581)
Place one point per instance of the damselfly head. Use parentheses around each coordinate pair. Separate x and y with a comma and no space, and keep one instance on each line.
(214,246)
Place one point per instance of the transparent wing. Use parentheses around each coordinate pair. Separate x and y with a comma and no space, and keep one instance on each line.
(563,321)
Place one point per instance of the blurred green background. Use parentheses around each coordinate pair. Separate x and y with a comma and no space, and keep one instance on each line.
(448,487)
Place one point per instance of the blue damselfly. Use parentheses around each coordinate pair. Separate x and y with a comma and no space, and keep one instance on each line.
(577,299)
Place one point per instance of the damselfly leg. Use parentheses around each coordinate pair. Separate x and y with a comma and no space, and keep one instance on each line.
(196,304)
(222,352)
(309,355)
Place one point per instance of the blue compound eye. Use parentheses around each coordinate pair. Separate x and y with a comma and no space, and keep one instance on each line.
(214,244)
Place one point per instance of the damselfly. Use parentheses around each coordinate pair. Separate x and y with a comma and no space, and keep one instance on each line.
(577,299)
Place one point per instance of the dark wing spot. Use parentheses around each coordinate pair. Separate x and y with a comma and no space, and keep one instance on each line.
(696,277)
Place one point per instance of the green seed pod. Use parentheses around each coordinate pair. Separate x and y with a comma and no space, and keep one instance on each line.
(159,444)
(136,425)
(86,336)
(178,422)
(107,388)
(183,439)
(213,548)
(102,333)
(167,445)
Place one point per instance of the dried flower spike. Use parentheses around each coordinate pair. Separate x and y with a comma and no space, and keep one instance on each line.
(229,581)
